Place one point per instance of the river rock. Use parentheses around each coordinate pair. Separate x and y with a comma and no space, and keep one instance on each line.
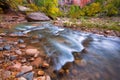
(45,64)
(19,52)
(7,47)
(23,9)
(32,52)
(81,63)
(26,68)
(22,46)
(37,16)
(46,77)
(6,74)
(74,72)
(17,66)
(29,76)
(41,73)
(37,62)
(22,78)
(1,48)
(23,60)
(13,57)
(20,41)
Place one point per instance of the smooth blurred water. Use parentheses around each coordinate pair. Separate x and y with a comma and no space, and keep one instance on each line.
(102,55)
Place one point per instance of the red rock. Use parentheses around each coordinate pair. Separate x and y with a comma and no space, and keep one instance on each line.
(26,68)
(41,73)
(46,77)
(45,64)
(37,62)
(32,52)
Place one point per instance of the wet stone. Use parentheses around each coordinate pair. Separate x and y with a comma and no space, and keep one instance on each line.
(1,49)
(7,47)
(19,52)
(6,74)
(22,46)
(22,78)
(74,72)
(29,76)
(32,52)
(20,41)
(81,63)
(45,65)
(26,68)
(46,77)
(17,66)
(41,73)
(37,62)
(23,60)
(13,57)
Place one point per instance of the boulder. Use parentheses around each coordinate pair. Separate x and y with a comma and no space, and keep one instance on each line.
(32,52)
(37,16)
(23,9)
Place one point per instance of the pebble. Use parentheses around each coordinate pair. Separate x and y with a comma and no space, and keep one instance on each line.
(45,65)
(7,47)
(20,41)
(19,52)
(22,78)
(23,60)
(29,76)
(1,48)
(26,68)
(32,52)
(6,74)
(61,71)
(37,62)
(74,72)
(15,43)
(17,66)
(22,46)
(83,62)
(46,77)
(13,57)
(41,73)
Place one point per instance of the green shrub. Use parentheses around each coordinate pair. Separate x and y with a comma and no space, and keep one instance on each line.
(50,7)
(110,10)
(74,11)
(92,9)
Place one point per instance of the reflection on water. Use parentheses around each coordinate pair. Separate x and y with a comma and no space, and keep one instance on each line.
(100,55)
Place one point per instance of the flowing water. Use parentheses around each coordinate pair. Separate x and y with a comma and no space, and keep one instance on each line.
(84,56)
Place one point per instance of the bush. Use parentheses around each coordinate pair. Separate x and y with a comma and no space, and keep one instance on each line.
(50,7)
(74,11)
(110,10)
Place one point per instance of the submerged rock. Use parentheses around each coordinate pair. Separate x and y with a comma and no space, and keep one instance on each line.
(37,16)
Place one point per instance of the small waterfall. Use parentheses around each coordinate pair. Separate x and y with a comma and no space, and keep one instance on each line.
(102,55)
